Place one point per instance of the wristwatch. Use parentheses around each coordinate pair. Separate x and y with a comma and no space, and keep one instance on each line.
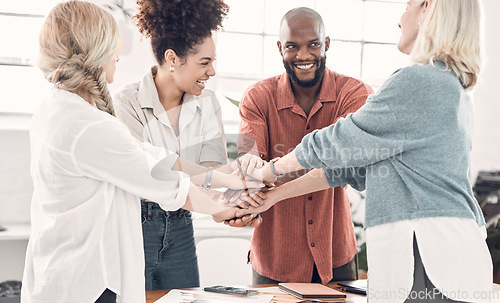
(271,164)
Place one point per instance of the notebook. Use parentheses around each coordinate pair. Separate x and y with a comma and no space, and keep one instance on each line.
(358,286)
(311,291)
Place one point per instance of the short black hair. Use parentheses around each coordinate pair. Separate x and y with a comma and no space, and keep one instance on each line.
(303,11)
(179,25)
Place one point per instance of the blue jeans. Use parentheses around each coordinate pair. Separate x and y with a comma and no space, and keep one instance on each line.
(169,248)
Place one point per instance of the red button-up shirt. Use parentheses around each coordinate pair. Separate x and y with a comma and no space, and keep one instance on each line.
(314,228)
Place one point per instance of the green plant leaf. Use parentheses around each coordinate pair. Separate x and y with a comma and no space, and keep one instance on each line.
(235,102)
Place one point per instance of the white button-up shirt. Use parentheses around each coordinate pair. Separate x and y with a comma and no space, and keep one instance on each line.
(88,174)
(201,132)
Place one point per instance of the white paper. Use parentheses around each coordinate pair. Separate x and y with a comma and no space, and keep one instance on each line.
(270,290)
(200,296)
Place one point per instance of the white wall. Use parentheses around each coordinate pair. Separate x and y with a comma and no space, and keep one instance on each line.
(486,148)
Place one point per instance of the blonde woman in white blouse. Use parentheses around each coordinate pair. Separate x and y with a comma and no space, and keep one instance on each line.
(89,172)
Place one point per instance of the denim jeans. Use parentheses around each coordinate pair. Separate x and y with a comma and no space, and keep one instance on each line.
(107,297)
(169,248)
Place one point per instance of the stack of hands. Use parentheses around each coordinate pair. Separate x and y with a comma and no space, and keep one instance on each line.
(249,192)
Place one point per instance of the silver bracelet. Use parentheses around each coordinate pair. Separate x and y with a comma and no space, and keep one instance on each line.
(271,164)
(208,179)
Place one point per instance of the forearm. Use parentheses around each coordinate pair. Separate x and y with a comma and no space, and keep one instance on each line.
(226,169)
(200,202)
(284,165)
(313,181)
(291,176)
(198,173)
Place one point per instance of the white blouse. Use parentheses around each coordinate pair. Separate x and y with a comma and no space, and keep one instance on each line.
(88,174)
(453,251)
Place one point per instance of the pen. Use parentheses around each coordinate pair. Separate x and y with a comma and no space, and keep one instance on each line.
(354,290)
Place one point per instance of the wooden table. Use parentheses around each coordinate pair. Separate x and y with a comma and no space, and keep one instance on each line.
(153,295)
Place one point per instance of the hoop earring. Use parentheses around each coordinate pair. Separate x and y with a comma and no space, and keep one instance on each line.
(172,69)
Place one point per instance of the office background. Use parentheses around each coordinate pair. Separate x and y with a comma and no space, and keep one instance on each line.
(364,34)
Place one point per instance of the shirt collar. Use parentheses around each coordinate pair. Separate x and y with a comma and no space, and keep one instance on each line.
(286,98)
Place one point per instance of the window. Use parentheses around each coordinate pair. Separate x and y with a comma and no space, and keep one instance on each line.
(364,34)
(20,23)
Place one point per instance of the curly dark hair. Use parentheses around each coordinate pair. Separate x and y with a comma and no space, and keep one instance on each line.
(179,25)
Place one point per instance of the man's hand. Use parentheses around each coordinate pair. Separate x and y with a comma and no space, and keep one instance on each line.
(272,197)
(247,220)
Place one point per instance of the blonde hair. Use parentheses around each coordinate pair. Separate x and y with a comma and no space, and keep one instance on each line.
(76,39)
(452,32)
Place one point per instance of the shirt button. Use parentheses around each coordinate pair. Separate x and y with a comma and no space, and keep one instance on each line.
(308,127)
(310,222)
(310,197)
(312,244)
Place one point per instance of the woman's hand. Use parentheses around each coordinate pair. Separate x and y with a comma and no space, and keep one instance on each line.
(244,198)
(246,164)
(234,181)
(253,166)
(226,214)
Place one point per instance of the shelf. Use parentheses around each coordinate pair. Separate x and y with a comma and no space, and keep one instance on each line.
(15,232)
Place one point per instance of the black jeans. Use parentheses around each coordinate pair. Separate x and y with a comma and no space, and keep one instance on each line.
(348,271)
(422,286)
(107,297)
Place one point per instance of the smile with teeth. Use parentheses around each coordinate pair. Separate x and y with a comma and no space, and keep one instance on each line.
(304,66)
(202,82)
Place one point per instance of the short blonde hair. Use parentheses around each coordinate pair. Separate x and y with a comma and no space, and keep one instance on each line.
(452,32)
(75,40)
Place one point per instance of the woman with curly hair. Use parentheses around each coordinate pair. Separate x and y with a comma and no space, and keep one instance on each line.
(89,172)
(171,108)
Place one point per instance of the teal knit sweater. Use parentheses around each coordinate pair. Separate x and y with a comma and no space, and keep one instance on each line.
(409,146)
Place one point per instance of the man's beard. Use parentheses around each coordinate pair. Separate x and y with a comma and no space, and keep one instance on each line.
(318,74)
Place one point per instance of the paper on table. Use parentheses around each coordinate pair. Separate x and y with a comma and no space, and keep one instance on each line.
(188,296)
(270,290)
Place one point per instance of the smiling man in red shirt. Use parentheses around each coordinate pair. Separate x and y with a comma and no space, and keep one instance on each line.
(310,238)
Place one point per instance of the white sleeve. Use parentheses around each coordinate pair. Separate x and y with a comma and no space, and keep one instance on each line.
(106,151)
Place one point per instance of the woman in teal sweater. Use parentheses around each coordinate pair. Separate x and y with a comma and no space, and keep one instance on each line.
(410,147)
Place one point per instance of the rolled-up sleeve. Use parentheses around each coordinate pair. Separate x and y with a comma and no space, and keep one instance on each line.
(354,176)
(106,151)
(254,128)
